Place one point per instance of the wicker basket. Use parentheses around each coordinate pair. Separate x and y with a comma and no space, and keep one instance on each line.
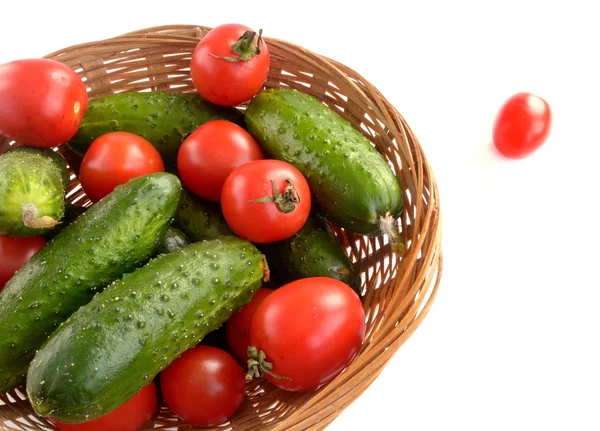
(397,293)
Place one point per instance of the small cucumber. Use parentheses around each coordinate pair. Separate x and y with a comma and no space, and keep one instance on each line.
(163,118)
(112,237)
(312,252)
(350,180)
(33,185)
(200,219)
(116,344)
(172,240)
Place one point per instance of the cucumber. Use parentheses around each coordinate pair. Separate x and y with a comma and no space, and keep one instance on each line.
(72,211)
(116,344)
(351,182)
(33,186)
(112,237)
(312,252)
(200,219)
(172,240)
(163,118)
(57,159)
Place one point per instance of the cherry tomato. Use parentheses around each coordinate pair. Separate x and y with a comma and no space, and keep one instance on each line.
(131,416)
(211,153)
(309,330)
(204,386)
(230,64)
(43,102)
(265,200)
(522,125)
(237,327)
(14,252)
(114,159)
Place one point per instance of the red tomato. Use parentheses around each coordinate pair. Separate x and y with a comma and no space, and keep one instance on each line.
(230,64)
(114,159)
(43,102)
(237,327)
(522,125)
(310,330)
(14,252)
(211,153)
(204,386)
(265,200)
(131,416)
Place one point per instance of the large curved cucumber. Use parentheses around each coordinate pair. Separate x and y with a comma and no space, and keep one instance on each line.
(115,345)
(350,180)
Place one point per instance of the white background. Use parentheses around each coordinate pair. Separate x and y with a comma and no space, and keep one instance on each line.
(511,342)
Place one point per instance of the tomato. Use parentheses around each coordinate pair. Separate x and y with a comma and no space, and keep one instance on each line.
(114,159)
(309,331)
(237,327)
(204,386)
(230,64)
(210,153)
(265,200)
(522,125)
(130,416)
(43,102)
(14,252)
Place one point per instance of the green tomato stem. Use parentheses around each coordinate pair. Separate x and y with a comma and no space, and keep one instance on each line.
(258,365)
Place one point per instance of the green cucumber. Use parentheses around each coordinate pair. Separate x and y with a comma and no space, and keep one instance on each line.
(33,186)
(119,342)
(112,237)
(172,240)
(200,219)
(163,118)
(312,252)
(352,183)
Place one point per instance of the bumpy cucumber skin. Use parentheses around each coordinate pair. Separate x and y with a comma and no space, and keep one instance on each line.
(350,180)
(31,176)
(311,252)
(200,219)
(112,237)
(163,118)
(57,159)
(172,240)
(112,347)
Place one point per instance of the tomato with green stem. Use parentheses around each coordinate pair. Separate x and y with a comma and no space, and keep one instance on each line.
(230,64)
(265,200)
(306,333)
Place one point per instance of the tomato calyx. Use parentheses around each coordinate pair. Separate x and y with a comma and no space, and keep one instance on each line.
(244,47)
(258,365)
(31,219)
(286,201)
(387,224)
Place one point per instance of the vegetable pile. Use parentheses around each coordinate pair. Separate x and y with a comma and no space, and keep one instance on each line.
(203,217)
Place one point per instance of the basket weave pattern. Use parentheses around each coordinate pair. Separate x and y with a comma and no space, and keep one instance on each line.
(397,293)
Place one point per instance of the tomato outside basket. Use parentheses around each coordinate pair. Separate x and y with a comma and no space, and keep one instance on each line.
(397,292)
